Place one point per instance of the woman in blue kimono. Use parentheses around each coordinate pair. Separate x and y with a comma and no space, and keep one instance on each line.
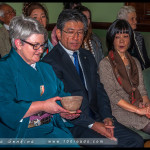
(30,92)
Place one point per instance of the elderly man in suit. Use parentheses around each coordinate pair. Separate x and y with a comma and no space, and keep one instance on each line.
(96,120)
(6,14)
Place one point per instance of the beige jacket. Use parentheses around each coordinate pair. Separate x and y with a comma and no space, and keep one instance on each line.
(5,44)
(116,93)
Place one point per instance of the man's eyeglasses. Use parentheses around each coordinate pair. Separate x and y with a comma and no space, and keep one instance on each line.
(13,11)
(80,33)
(36,46)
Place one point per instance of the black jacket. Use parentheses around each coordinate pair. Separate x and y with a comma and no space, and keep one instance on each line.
(96,104)
(139,50)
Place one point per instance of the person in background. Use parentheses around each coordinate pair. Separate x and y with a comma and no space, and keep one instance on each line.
(72,4)
(77,68)
(139,50)
(30,91)
(67,5)
(6,14)
(91,41)
(122,77)
(39,12)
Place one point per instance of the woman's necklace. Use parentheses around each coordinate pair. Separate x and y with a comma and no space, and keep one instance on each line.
(87,47)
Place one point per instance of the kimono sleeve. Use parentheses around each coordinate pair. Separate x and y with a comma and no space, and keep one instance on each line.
(12,110)
(61,91)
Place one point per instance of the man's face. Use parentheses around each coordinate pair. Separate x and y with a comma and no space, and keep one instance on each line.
(9,13)
(72,35)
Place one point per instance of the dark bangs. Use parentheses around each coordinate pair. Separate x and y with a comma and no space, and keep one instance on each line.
(121,27)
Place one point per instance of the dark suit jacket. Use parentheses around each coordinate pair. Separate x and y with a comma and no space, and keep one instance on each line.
(96,99)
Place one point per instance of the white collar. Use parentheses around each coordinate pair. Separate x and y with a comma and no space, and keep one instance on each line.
(33,66)
(69,52)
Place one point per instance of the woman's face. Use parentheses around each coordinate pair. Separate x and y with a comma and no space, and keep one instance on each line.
(131,18)
(26,51)
(87,14)
(121,42)
(39,15)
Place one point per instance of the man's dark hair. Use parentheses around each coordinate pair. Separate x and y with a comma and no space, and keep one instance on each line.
(71,15)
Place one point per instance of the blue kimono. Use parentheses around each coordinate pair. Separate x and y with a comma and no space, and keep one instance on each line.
(19,87)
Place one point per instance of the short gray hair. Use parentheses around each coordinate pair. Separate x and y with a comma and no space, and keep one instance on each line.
(1,10)
(123,12)
(1,13)
(23,27)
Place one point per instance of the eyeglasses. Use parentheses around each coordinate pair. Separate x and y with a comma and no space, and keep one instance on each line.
(72,33)
(36,46)
(13,11)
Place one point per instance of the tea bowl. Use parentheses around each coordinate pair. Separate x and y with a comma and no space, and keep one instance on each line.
(72,103)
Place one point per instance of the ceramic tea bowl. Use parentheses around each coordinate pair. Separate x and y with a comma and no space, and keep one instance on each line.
(72,103)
